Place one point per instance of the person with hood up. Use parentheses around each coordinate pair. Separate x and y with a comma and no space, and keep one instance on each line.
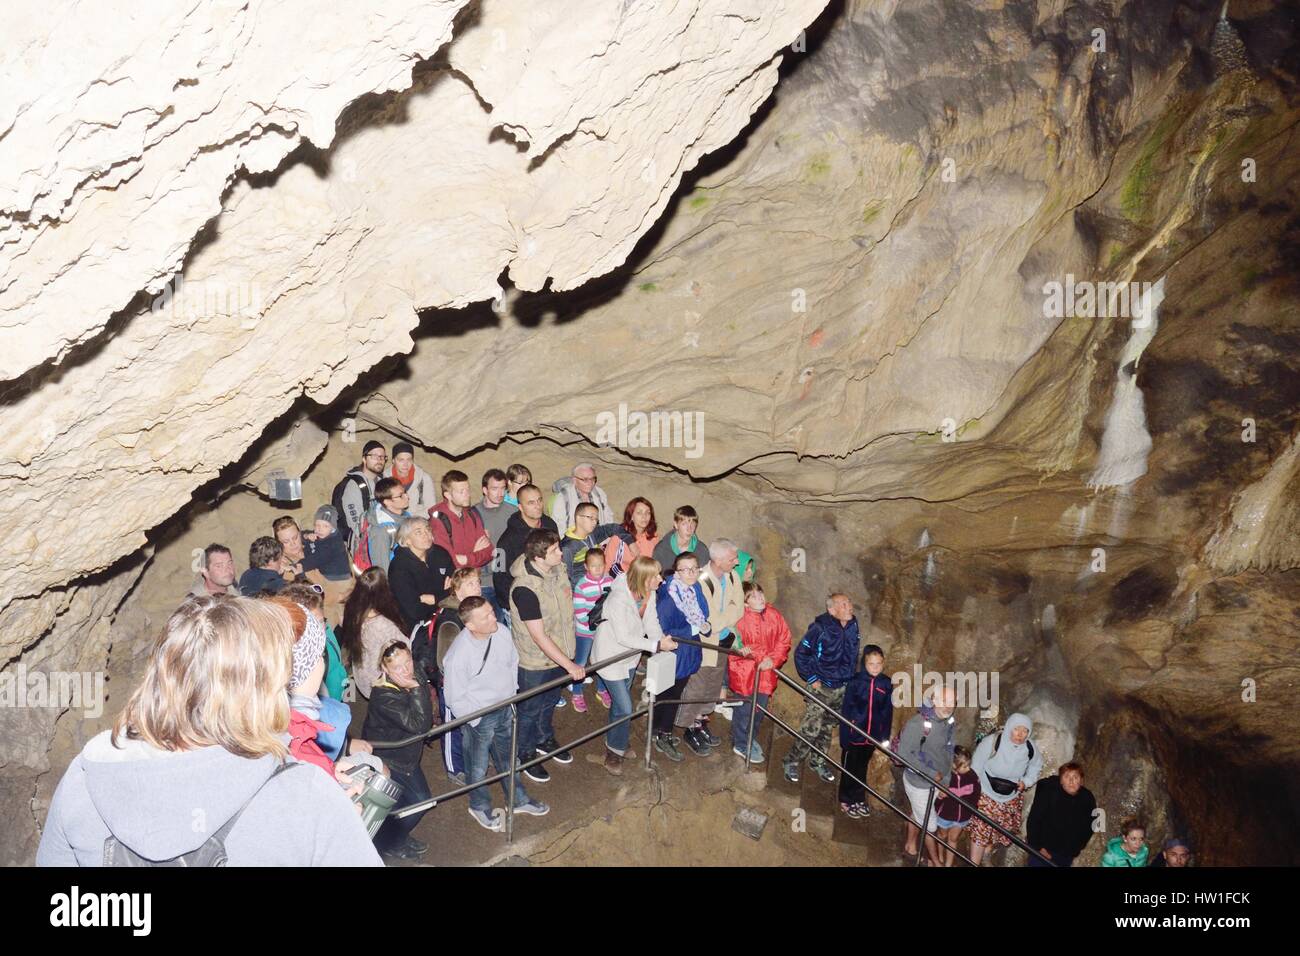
(212,751)
(1008,764)
(763,637)
(927,743)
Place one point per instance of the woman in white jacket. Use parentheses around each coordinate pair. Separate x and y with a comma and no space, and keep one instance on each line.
(629,621)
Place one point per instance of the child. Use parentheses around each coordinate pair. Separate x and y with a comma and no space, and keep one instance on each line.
(1129,849)
(869,704)
(326,551)
(586,593)
(764,639)
(953,817)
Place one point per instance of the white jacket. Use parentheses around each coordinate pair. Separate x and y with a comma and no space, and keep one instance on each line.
(623,628)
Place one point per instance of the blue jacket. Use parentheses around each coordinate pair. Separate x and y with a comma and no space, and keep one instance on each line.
(674,624)
(828,652)
(869,703)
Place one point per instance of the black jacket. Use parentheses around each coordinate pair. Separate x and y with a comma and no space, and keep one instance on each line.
(395,714)
(409,577)
(1058,821)
(511,546)
(571,548)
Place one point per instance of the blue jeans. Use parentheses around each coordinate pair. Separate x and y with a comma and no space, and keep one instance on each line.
(536,714)
(740,720)
(490,739)
(620,692)
(580,656)
(394,831)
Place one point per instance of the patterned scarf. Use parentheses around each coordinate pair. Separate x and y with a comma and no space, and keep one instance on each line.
(685,598)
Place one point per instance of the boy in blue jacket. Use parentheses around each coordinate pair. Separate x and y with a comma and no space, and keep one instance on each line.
(825,659)
(869,703)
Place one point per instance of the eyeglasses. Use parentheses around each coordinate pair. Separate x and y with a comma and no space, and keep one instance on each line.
(378,454)
(317,588)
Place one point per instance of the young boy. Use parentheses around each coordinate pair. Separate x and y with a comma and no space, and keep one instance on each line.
(764,639)
(326,551)
(953,817)
(869,704)
(586,592)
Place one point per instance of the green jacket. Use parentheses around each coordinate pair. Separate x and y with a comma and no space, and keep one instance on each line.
(335,673)
(1116,855)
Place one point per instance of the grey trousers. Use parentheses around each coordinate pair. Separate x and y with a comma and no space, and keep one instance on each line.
(703,684)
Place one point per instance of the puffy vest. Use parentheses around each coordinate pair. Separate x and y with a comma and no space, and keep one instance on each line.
(555,597)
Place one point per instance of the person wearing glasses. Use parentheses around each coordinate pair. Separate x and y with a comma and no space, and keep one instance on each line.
(353,494)
(385,516)
(573,491)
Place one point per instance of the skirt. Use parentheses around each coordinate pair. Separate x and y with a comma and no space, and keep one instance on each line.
(1006,814)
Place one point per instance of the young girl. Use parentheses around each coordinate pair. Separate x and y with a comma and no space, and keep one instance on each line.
(764,639)
(953,817)
(593,583)
(869,704)
(1129,849)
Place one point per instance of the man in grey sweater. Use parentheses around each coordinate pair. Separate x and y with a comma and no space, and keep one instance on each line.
(481,669)
(927,743)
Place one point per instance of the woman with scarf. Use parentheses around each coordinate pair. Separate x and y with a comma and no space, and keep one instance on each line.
(1007,764)
(630,620)
(683,612)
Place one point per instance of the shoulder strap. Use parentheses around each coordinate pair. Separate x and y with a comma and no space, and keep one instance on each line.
(229,825)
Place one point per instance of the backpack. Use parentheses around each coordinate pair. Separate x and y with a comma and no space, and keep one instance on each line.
(211,853)
(361,558)
(336,499)
(597,613)
(997,742)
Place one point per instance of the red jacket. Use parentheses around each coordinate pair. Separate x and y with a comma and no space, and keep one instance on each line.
(767,635)
(302,742)
(465,530)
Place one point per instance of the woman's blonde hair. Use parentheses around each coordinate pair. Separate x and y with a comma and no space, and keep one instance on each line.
(641,573)
(217,676)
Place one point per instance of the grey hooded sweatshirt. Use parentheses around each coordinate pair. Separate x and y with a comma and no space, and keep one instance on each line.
(162,804)
(1011,762)
(928,747)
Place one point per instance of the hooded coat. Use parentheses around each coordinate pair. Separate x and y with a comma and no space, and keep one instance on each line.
(151,800)
(1012,761)
(927,742)
(1116,855)
(767,635)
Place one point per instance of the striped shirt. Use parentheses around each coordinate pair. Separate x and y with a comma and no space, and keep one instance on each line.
(585,595)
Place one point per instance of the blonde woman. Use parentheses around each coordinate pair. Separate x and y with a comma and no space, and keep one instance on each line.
(201,743)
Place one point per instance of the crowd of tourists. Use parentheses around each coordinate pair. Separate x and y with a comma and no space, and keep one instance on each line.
(433,609)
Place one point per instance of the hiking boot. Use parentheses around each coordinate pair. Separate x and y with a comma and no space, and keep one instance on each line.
(826,774)
(697,742)
(488,821)
(755,753)
(580,703)
(792,772)
(551,748)
(417,846)
(538,774)
(605,698)
(613,763)
(667,745)
(533,808)
(709,738)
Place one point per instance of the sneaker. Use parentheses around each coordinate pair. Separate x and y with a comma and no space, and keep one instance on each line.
(755,753)
(613,763)
(667,746)
(551,748)
(825,772)
(580,703)
(539,774)
(605,698)
(533,808)
(587,680)
(792,772)
(560,703)
(488,821)
(864,811)
(850,810)
(402,852)
(419,846)
(698,744)
(711,739)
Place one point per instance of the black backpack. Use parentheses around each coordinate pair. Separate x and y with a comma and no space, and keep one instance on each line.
(336,499)
(997,742)
(597,612)
(211,853)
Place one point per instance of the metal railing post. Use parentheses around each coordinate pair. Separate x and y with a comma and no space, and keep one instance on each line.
(753,718)
(925,826)
(514,769)
(649,730)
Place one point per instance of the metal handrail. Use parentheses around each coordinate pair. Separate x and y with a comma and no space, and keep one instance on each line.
(900,759)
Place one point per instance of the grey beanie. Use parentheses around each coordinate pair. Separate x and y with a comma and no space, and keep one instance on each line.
(329,514)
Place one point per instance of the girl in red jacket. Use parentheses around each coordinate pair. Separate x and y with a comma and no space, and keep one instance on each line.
(764,638)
